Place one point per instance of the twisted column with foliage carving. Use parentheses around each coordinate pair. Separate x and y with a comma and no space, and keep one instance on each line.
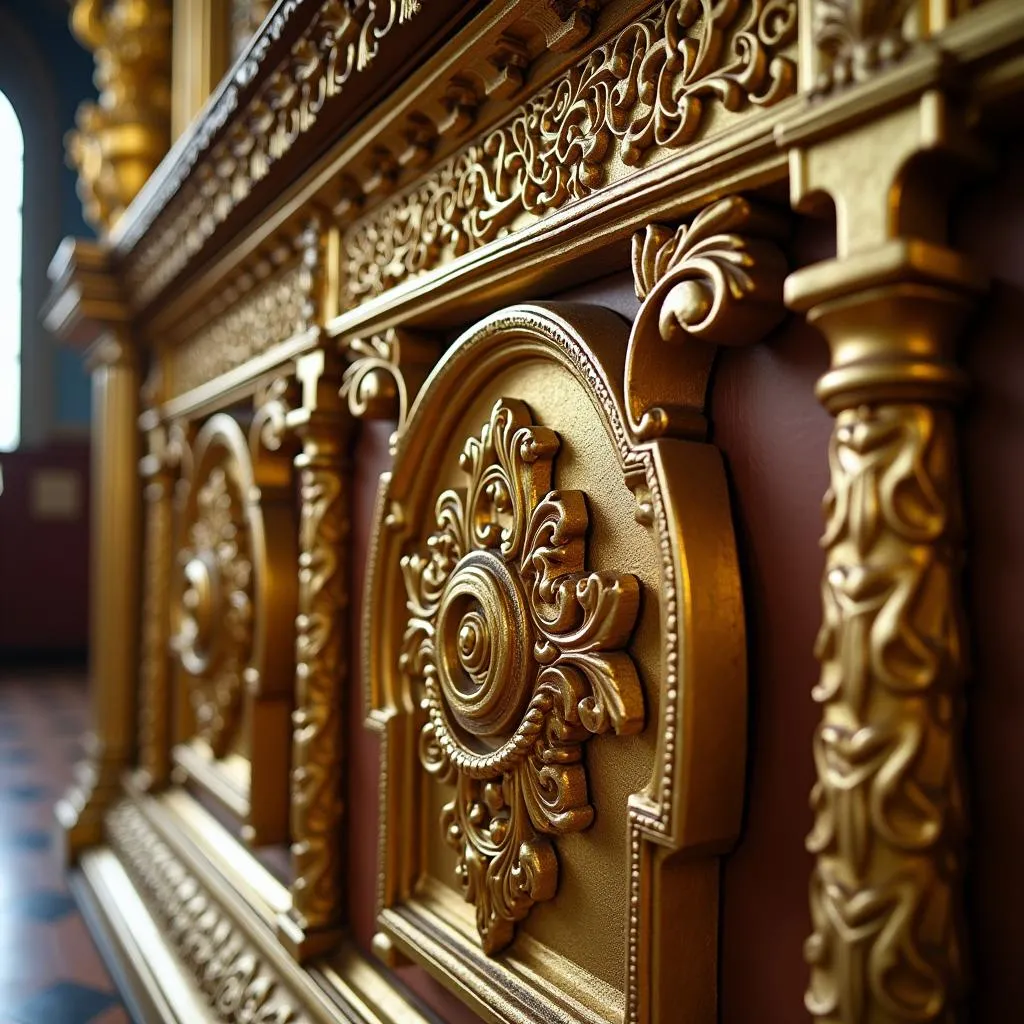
(322,661)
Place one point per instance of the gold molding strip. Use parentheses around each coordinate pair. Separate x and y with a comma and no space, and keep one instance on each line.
(224,949)
(232,972)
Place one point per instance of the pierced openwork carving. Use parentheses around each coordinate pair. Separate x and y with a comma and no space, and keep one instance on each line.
(520,655)
(645,91)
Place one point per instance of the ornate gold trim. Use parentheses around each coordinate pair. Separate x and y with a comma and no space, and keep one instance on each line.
(238,982)
(645,93)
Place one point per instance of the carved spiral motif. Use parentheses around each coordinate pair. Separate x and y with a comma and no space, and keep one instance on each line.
(518,656)
(214,631)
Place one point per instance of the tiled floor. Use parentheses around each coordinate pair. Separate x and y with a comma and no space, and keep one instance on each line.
(50,972)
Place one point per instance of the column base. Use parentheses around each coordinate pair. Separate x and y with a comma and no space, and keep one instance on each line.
(80,812)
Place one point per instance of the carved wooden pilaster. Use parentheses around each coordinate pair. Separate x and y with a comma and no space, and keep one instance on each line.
(158,475)
(887,945)
(322,658)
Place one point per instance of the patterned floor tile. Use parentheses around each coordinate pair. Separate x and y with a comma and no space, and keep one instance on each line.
(64,1003)
(48,906)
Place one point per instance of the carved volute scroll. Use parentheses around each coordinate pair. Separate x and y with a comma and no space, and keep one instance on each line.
(715,281)
(542,736)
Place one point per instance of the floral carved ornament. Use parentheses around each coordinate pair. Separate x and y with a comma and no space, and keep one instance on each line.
(517,654)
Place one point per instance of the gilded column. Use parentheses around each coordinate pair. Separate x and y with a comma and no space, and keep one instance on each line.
(158,476)
(322,658)
(114,590)
(887,945)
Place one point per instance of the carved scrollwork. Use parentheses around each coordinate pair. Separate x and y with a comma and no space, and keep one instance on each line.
(856,38)
(715,281)
(519,653)
(504,630)
(644,92)
(385,371)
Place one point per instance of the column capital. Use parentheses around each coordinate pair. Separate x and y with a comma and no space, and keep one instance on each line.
(85,304)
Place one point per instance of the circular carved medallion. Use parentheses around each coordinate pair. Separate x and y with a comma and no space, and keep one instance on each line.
(214,612)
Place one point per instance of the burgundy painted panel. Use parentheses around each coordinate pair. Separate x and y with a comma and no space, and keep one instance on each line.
(44,562)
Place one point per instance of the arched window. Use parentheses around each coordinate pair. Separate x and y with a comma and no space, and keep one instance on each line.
(12,179)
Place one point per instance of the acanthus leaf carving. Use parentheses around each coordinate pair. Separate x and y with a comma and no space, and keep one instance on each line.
(518,656)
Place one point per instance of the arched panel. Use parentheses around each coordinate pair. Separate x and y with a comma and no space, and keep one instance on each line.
(556,658)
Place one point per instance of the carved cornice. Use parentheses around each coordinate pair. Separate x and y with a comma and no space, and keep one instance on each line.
(341,42)
(163,187)
(259,314)
(240,984)
(640,96)
(211,179)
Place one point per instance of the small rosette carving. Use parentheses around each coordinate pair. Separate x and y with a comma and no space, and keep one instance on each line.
(518,656)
